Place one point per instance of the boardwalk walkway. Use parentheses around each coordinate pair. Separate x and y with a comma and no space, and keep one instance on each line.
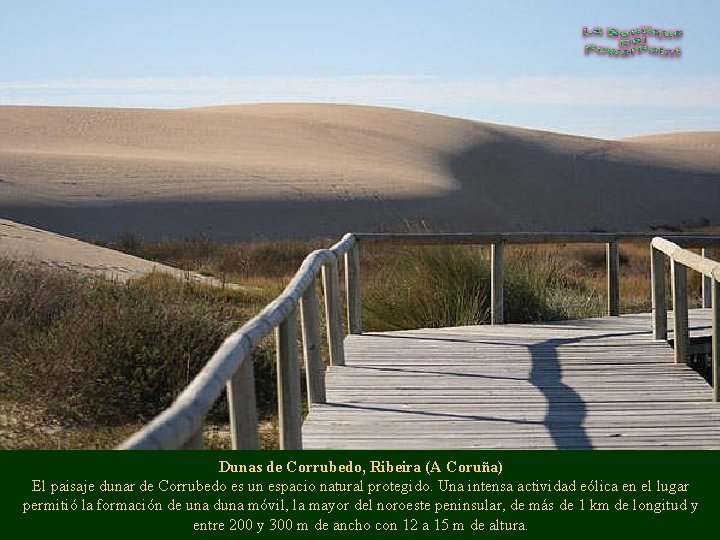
(597,383)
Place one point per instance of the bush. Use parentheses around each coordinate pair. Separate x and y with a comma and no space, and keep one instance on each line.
(232,261)
(100,353)
(94,351)
(595,257)
(450,286)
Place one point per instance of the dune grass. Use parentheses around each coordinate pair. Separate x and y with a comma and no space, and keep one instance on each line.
(88,360)
(450,286)
(86,352)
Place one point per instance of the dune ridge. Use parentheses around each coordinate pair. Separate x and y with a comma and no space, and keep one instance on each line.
(301,170)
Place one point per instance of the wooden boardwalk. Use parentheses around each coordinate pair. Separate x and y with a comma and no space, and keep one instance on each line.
(596,383)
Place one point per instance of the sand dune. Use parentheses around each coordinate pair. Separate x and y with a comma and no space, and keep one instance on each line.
(35,246)
(306,170)
(699,147)
(703,140)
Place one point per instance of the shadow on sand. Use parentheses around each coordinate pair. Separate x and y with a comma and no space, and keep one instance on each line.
(504,183)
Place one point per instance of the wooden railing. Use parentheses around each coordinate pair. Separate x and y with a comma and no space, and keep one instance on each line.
(231,367)
(680,260)
(497,241)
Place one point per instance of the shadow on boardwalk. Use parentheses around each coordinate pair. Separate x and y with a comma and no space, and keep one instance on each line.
(566,410)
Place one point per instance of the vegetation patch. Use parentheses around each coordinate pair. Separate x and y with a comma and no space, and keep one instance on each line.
(450,286)
(87,360)
(94,352)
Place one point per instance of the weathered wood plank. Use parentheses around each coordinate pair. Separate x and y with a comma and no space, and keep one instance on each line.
(604,383)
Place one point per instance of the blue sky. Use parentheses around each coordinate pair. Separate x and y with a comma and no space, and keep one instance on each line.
(518,62)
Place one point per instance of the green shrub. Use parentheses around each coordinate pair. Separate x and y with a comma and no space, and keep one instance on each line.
(100,353)
(450,286)
(94,351)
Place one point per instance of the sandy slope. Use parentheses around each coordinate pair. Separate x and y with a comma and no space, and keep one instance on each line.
(36,246)
(306,170)
(699,147)
(699,140)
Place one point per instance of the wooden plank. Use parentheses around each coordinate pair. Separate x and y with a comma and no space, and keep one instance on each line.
(603,384)
(686,258)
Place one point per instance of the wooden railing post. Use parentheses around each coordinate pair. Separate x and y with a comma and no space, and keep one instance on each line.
(288,374)
(497,279)
(352,288)
(659,302)
(707,282)
(680,310)
(613,278)
(312,345)
(195,442)
(333,317)
(716,339)
(240,390)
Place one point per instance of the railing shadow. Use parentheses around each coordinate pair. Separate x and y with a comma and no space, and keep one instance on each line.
(566,410)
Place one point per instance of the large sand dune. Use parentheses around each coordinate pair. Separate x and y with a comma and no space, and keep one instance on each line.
(36,246)
(307,170)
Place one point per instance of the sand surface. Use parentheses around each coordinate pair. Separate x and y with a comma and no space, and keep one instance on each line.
(35,246)
(303,170)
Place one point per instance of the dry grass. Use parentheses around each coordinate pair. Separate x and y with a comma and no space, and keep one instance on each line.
(247,263)
(100,355)
(449,286)
(103,358)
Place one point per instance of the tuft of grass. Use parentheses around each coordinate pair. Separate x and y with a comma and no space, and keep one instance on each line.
(436,286)
(594,256)
(450,286)
(228,262)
